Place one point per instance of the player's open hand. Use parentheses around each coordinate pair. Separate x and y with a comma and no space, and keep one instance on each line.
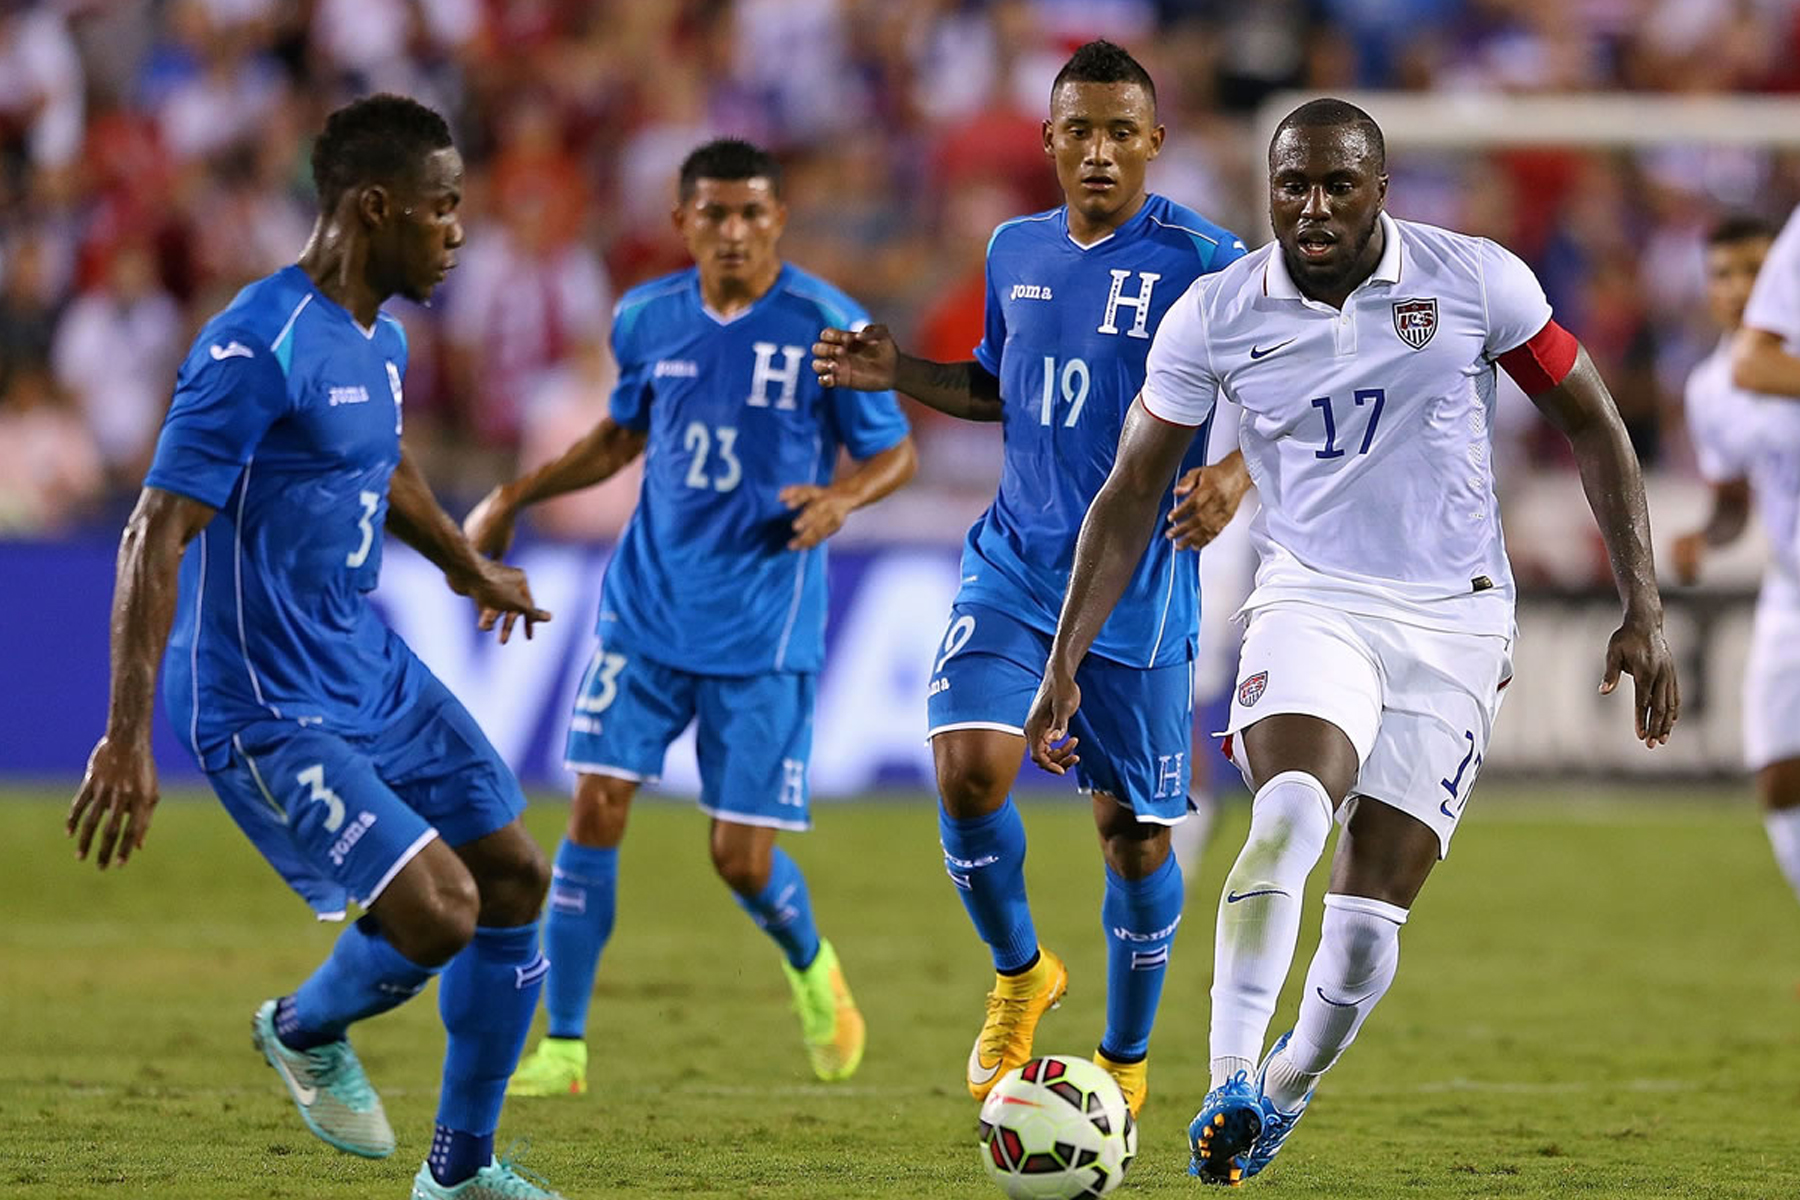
(504,597)
(820,510)
(489,525)
(1047,724)
(1639,649)
(863,360)
(119,788)
(1206,498)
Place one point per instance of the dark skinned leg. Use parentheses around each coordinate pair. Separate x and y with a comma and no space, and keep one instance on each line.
(1132,848)
(428,911)
(742,855)
(1778,785)
(976,769)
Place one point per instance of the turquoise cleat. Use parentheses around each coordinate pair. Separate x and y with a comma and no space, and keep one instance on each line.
(1223,1131)
(329,1088)
(1276,1123)
(502,1179)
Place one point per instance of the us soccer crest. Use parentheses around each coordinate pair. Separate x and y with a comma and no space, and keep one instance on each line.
(1251,690)
(1415,321)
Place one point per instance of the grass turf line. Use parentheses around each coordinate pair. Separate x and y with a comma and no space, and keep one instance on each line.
(1594,1000)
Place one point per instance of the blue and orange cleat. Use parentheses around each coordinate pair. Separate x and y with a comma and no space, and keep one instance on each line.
(1224,1130)
(1277,1123)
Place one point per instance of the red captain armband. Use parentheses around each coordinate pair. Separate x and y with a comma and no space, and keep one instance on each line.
(1544,361)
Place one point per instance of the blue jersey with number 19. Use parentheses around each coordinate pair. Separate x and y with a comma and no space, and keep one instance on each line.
(1068,331)
(286,419)
(703,580)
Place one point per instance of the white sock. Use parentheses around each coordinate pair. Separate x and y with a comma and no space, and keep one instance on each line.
(1187,841)
(1359,950)
(1259,915)
(1783,825)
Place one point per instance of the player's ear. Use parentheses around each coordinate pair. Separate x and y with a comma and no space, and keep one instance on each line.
(1049,140)
(373,205)
(1156,141)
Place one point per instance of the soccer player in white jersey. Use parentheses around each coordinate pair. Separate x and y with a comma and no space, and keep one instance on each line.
(1360,353)
(1748,444)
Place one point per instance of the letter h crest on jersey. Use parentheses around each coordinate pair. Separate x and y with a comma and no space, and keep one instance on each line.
(1415,321)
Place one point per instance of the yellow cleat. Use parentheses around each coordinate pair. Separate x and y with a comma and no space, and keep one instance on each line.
(558,1067)
(1013,1010)
(1133,1079)
(830,1024)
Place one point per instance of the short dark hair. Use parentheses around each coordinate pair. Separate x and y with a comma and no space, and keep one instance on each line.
(1739,227)
(728,158)
(377,139)
(1102,61)
(1328,113)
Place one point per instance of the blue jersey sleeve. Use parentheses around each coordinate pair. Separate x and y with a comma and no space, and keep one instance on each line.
(993,322)
(227,394)
(1228,251)
(867,423)
(630,403)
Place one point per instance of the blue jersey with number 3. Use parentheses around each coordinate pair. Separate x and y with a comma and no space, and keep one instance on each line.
(286,419)
(703,580)
(1068,330)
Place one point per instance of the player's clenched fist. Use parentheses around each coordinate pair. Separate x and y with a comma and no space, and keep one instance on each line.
(863,360)
(1047,725)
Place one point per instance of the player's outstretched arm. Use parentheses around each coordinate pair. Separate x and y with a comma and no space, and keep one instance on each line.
(598,456)
(867,360)
(1206,499)
(1760,363)
(1114,535)
(1582,408)
(417,519)
(119,787)
(820,511)
(1729,517)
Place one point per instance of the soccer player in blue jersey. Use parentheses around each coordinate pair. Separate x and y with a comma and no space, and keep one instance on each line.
(360,778)
(713,608)
(1074,296)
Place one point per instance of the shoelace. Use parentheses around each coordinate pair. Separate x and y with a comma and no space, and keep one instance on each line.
(998,1032)
(331,1067)
(515,1180)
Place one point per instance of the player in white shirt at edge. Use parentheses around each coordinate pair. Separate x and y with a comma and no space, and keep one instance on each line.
(1748,445)
(1362,353)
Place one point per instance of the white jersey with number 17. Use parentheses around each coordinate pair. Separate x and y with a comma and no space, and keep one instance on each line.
(1365,430)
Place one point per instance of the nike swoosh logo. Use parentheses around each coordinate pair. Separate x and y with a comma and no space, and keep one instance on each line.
(979,1074)
(1257,352)
(1445,809)
(302,1092)
(234,350)
(1234,897)
(1334,1003)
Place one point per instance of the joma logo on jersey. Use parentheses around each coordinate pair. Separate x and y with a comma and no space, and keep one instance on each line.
(348,395)
(347,841)
(1139,304)
(1415,321)
(1031,291)
(678,368)
(766,373)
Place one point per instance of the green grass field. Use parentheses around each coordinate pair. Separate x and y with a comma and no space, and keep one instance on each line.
(1596,999)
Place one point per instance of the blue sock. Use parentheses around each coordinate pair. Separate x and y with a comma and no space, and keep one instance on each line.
(1140,916)
(363,976)
(487,997)
(985,858)
(583,896)
(783,910)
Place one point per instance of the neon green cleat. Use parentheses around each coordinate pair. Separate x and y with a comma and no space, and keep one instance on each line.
(558,1067)
(329,1088)
(502,1179)
(830,1024)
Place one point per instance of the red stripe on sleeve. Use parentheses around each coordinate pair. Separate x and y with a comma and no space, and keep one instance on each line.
(1542,362)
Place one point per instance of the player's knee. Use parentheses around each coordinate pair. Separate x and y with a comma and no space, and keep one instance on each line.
(444,921)
(971,787)
(1134,849)
(513,886)
(743,865)
(601,805)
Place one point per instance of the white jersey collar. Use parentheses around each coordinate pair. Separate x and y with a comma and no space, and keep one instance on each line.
(1279,285)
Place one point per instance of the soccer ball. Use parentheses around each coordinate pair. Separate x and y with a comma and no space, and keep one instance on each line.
(1055,1129)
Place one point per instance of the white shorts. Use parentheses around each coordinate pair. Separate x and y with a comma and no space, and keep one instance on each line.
(1418,704)
(1772,681)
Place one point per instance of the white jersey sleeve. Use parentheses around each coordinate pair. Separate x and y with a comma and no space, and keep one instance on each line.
(1180,386)
(1512,297)
(1716,453)
(1775,300)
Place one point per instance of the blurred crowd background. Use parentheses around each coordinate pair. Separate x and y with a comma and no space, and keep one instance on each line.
(153,160)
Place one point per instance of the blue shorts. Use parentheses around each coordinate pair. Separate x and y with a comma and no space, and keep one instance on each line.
(338,815)
(1135,723)
(754,735)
